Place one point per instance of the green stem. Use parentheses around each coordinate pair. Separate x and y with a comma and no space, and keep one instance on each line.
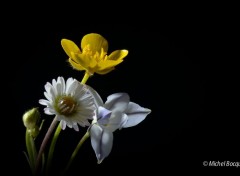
(85,78)
(31,150)
(34,150)
(44,143)
(76,151)
(52,147)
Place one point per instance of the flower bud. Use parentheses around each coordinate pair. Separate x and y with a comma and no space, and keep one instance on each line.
(30,118)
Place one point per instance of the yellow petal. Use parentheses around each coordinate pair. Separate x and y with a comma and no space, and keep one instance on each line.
(69,47)
(118,55)
(95,42)
(75,65)
(102,72)
(84,60)
(108,64)
(92,63)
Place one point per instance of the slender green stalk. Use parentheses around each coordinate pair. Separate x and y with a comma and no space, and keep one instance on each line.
(44,143)
(34,151)
(31,150)
(85,78)
(52,147)
(76,151)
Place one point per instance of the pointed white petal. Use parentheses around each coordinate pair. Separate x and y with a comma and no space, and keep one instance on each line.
(106,145)
(49,111)
(68,83)
(75,127)
(136,114)
(48,96)
(69,124)
(96,136)
(54,82)
(63,124)
(48,87)
(62,82)
(117,102)
(44,102)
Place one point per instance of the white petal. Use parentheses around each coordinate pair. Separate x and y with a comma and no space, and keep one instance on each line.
(106,145)
(117,102)
(58,89)
(48,96)
(84,96)
(48,87)
(96,135)
(123,120)
(49,111)
(53,92)
(136,114)
(88,101)
(68,83)
(69,124)
(75,126)
(63,124)
(103,115)
(83,123)
(80,92)
(44,102)
(62,82)
(54,82)
(97,99)
(85,112)
(72,87)
(115,121)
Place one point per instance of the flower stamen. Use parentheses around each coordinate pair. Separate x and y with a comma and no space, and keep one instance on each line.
(87,50)
(66,105)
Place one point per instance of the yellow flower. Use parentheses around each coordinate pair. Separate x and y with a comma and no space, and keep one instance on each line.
(93,54)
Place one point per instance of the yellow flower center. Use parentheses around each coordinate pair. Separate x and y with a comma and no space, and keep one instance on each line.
(87,51)
(94,55)
(66,106)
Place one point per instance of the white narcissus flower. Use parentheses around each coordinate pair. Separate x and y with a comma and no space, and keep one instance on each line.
(117,112)
(71,102)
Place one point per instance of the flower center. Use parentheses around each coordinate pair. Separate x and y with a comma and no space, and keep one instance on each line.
(87,51)
(66,105)
(94,54)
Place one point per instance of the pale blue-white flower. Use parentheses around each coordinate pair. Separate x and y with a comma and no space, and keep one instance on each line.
(71,102)
(117,112)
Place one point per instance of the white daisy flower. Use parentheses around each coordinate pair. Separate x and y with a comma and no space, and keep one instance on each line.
(71,102)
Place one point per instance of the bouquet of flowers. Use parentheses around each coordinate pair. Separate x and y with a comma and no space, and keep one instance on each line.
(77,105)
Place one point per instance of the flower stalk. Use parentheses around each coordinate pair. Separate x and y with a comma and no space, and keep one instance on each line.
(83,139)
(31,150)
(51,149)
(44,143)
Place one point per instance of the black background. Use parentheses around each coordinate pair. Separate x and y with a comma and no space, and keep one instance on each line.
(171,69)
